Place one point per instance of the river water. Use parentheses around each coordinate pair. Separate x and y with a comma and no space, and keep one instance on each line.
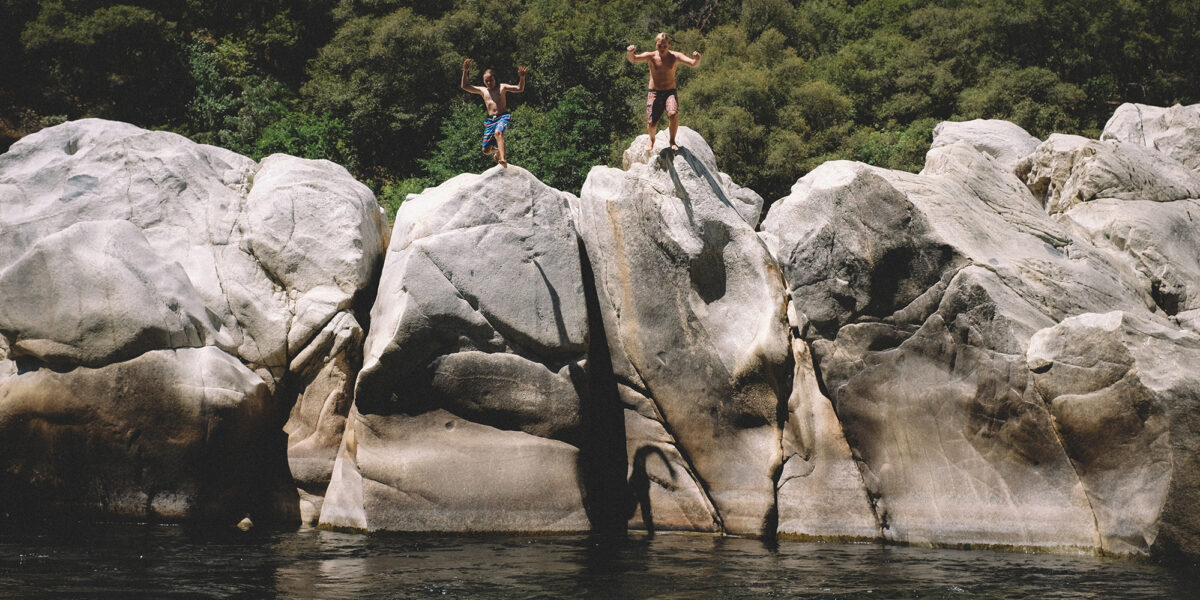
(157,561)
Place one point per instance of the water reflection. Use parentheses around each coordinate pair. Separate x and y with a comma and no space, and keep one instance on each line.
(114,560)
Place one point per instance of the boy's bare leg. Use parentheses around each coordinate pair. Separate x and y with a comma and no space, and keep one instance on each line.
(500,149)
(652,129)
(674,127)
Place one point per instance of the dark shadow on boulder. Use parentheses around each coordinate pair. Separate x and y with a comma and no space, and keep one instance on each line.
(555,304)
(707,271)
(602,458)
(639,485)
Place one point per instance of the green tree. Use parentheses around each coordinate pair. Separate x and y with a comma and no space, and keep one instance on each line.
(116,61)
(389,79)
(561,145)
(307,136)
(458,148)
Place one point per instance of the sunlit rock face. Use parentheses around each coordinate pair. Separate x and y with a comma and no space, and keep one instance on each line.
(470,408)
(693,309)
(119,244)
(1000,350)
(1005,142)
(1173,131)
(1124,393)
(920,296)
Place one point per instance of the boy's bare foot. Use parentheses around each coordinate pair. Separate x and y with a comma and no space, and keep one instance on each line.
(503,163)
(650,148)
(674,146)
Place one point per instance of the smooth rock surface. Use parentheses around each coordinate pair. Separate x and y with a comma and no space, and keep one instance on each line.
(821,493)
(1158,238)
(707,342)
(1173,131)
(1125,396)
(170,434)
(1068,170)
(117,242)
(468,410)
(930,287)
(1003,141)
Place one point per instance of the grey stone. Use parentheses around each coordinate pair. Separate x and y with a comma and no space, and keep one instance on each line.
(1003,141)
(169,434)
(926,371)
(117,242)
(468,409)
(1068,170)
(1173,131)
(707,341)
(1125,395)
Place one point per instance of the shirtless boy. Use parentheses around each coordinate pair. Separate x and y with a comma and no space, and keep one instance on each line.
(494,98)
(662,96)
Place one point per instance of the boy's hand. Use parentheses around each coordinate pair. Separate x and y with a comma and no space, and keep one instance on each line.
(695,55)
(631,48)
(466,64)
(520,71)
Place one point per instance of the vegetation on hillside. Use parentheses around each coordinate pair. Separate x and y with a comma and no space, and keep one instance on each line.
(784,85)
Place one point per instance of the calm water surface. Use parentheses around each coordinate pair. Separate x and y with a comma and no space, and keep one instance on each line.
(154,561)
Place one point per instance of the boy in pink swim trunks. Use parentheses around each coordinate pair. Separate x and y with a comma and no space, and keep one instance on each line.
(661,96)
(495,99)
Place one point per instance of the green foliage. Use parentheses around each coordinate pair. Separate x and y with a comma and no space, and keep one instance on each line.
(562,144)
(308,136)
(117,61)
(458,148)
(784,84)
(388,78)
(1034,98)
(233,106)
(394,194)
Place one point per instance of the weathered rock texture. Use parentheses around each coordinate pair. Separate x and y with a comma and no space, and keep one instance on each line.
(999,350)
(162,304)
(1173,131)
(702,354)
(921,295)
(469,408)
(1128,418)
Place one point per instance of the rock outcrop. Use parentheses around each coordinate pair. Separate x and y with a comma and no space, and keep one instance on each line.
(702,355)
(921,295)
(1173,131)
(162,304)
(1000,350)
(469,410)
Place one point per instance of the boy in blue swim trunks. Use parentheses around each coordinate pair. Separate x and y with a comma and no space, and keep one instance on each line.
(661,96)
(497,107)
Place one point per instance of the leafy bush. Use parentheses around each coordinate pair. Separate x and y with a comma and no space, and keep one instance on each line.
(307,136)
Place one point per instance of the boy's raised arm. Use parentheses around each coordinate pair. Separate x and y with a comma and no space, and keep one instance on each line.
(633,58)
(694,61)
(463,85)
(520,87)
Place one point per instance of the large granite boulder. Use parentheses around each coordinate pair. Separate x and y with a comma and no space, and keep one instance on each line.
(1173,131)
(1068,169)
(1006,142)
(117,242)
(919,294)
(168,434)
(693,310)
(1125,396)
(470,410)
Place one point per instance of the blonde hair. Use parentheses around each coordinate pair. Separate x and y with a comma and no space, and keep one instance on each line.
(662,36)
